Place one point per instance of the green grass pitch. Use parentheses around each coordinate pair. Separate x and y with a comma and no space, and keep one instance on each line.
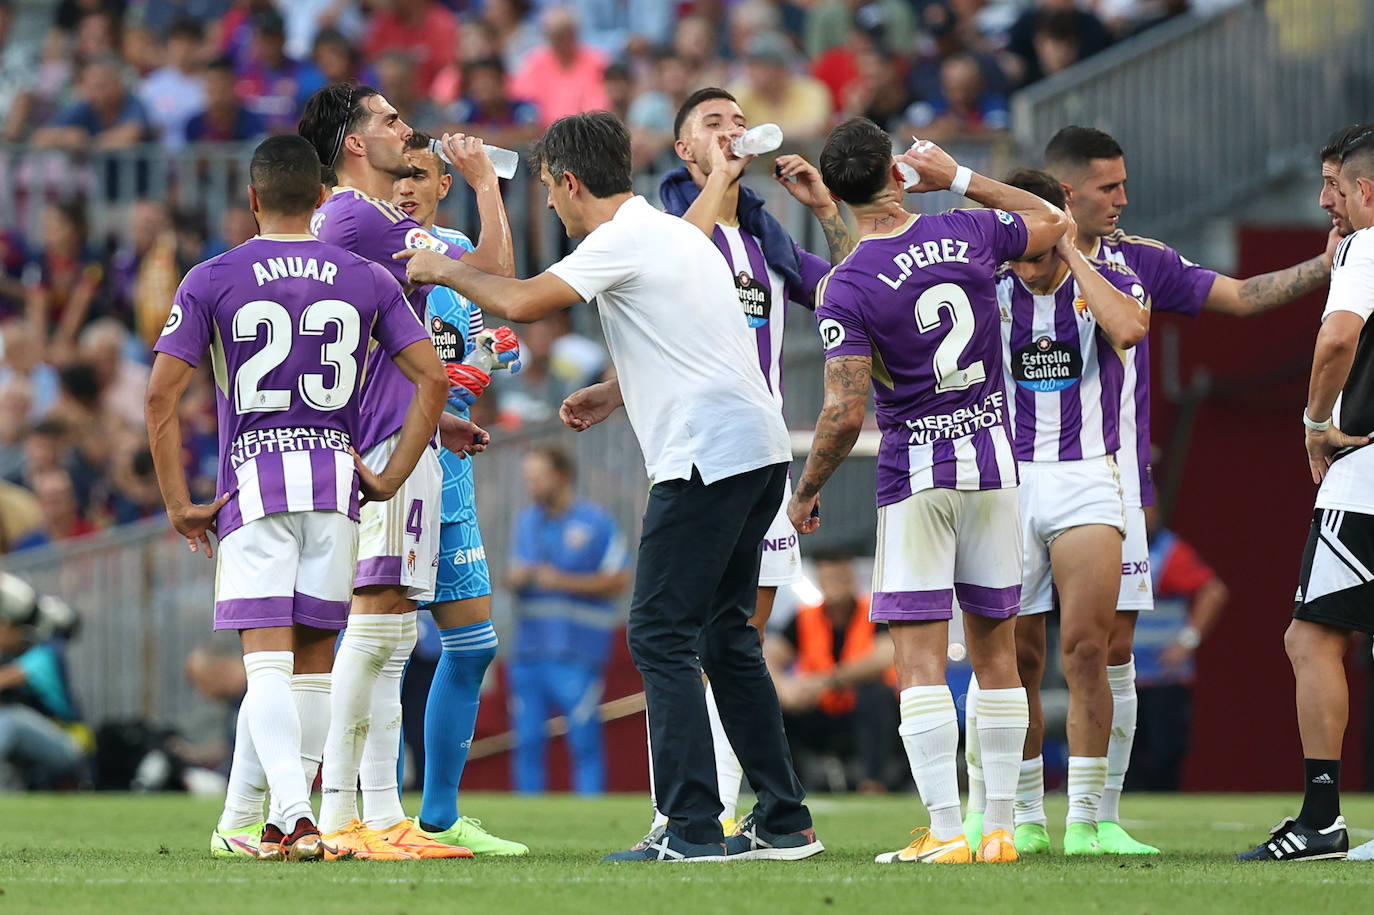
(63,855)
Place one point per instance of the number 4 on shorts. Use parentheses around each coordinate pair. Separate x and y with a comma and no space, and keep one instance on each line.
(414,525)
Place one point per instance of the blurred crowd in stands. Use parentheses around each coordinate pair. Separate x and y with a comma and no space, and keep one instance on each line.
(79,308)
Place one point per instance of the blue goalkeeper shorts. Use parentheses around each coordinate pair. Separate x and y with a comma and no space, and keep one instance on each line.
(462,570)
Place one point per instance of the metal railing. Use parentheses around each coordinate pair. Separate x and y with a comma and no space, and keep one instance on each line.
(1210,110)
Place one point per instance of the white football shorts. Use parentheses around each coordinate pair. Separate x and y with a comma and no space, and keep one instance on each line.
(398,542)
(1057,496)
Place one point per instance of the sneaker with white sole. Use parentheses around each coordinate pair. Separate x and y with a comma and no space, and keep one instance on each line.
(926,849)
(752,842)
(1292,841)
(662,845)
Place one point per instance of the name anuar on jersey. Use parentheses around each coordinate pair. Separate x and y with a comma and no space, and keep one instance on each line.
(257,442)
(946,250)
(279,268)
(963,421)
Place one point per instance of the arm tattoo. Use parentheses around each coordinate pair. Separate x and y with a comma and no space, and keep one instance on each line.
(842,415)
(1270,290)
(837,236)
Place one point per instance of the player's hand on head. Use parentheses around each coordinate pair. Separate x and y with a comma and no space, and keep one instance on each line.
(935,166)
(803,181)
(804,512)
(462,436)
(196,523)
(469,158)
(423,267)
(1322,447)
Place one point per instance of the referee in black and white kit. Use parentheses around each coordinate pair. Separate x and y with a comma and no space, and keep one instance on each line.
(1336,587)
(717,452)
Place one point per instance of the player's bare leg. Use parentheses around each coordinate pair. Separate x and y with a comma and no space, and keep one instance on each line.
(1087,573)
(1032,834)
(1317,654)
(1121,680)
(469,647)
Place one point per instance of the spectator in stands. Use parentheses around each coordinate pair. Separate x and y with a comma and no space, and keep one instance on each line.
(333,59)
(799,104)
(307,20)
(424,29)
(879,94)
(45,448)
(141,51)
(175,92)
(564,76)
(16,399)
(951,34)
(1189,599)
(651,114)
(515,35)
(134,494)
(568,565)
(616,28)
(50,91)
(620,90)
(487,111)
(18,64)
(830,22)
(67,279)
(236,226)
(214,668)
(396,79)
(38,717)
(143,271)
(97,35)
(21,520)
(836,684)
(696,44)
(554,363)
(963,108)
(24,360)
(232,35)
(123,381)
(268,79)
(62,518)
(746,21)
(107,117)
(1054,34)
(224,119)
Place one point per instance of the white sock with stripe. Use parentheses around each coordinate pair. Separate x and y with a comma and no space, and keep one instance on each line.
(1087,775)
(1121,679)
(1003,717)
(276,732)
(973,757)
(1029,806)
(367,644)
(381,795)
(729,773)
(930,734)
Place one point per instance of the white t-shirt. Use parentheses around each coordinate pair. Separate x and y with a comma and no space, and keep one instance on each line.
(1349,484)
(686,358)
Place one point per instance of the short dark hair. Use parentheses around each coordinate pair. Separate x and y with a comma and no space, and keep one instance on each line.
(1041,184)
(559,460)
(493,63)
(186,28)
(1076,147)
(1358,155)
(331,114)
(594,146)
(856,162)
(695,99)
(221,64)
(286,174)
(419,140)
(1335,144)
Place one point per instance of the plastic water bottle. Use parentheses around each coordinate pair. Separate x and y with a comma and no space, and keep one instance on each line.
(483,355)
(505,161)
(757,140)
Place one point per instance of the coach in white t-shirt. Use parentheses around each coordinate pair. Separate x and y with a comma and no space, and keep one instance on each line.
(716,450)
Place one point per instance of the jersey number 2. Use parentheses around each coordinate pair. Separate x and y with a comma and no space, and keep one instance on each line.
(948,375)
(250,397)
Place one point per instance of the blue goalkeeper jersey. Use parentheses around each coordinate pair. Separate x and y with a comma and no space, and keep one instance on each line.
(453,323)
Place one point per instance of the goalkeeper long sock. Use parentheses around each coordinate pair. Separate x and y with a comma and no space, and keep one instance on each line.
(729,773)
(973,759)
(377,773)
(930,734)
(276,732)
(366,645)
(1002,721)
(451,717)
(1029,806)
(1121,679)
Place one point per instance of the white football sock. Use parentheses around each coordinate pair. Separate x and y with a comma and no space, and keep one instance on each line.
(276,732)
(366,645)
(973,760)
(311,692)
(1087,774)
(1121,678)
(247,782)
(1003,717)
(729,773)
(1029,806)
(659,818)
(930,734)
(381,795)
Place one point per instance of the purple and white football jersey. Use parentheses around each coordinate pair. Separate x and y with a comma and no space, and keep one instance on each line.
(1063,374)
(922,303)
(288,321)
(1177,285)
(377,229)
(763,294)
